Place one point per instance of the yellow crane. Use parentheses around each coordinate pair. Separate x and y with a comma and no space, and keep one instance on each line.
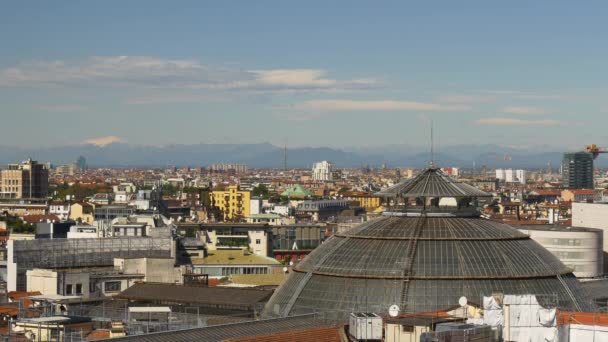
(595,150)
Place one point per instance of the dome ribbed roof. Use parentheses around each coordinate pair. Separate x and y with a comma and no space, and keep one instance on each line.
(424,263)
(432,183)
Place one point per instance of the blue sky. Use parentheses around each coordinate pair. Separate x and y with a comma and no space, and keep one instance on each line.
(313,73)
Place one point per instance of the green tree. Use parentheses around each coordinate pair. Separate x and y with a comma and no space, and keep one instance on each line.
(16,225)
(260,191)
(169,190)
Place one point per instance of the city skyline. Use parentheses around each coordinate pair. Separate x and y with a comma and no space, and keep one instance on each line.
(517,74)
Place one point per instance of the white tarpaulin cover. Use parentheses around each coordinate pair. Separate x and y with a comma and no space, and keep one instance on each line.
(528,321)
(584,333)
(492,312)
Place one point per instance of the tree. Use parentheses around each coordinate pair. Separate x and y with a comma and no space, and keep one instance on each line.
(260,191)
(16,225)
(169,190)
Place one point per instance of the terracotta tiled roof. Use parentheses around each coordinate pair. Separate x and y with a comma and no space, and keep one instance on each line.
(15,296)
(585,318)
(98,335)
(321,334)
(9,310)
(546,192)
(32,219)
(582,191)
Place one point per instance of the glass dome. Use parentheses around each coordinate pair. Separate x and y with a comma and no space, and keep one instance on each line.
(424,258)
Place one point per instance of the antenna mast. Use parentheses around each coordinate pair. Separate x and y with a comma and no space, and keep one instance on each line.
(432,146)
(285,158)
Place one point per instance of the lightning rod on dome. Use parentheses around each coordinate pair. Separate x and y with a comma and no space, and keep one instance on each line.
(432,162)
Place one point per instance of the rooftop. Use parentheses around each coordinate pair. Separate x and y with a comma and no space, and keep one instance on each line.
(228,331)
(237,257)
(273,279)
(156,292)
(325,334)
(557,228)
(297,191)
(432,183)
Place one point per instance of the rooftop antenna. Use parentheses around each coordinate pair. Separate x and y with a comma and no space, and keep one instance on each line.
(285,157)
(431,164)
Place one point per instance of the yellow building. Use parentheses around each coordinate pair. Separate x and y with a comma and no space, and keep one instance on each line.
(83,212)
(367,201)
(232,202)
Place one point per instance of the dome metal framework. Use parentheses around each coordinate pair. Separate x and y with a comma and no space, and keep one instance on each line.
(424,262)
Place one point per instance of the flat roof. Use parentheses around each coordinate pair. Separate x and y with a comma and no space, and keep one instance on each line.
(52,297)
(157,292)
(273,279)
(420,320)
(555,227)
(50,319)
(164,309)
(236,257)
(234,330)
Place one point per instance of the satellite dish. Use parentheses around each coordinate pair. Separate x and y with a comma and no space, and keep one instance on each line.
(463,301)
(393,311)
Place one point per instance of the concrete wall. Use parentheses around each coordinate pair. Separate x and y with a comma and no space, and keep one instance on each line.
(42,280)
(155,270)
(395,333)
(50,282)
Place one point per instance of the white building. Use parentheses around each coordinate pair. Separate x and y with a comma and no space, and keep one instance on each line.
(580,249)
(121,197)
(227,236)
(500,174)
(60,209)
(521,176)
(322,171)
(283,210)
(255,206)
(592,215)
(82,232)
(127,187)
(511,176)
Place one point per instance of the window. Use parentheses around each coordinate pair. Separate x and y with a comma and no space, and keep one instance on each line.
(111,286)
(68,289)
(258,241)
(92,287)
(78,289)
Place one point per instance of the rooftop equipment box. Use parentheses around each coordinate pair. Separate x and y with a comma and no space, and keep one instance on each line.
(364,326)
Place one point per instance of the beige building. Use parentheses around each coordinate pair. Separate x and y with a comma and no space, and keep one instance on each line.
(83,212)
(154,270)
(26,180)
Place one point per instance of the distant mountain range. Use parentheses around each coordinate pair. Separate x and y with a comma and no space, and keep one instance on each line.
(270,156)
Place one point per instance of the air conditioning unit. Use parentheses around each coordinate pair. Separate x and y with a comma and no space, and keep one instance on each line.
(365,326)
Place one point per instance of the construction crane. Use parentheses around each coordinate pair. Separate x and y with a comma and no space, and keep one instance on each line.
(595,150)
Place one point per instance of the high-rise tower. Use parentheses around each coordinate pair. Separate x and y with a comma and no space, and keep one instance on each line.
(577,170)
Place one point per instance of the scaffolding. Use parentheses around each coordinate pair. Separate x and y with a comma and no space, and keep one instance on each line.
(71,253)
(80,253)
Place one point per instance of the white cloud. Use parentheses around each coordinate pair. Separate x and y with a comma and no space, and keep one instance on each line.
(153,72)
(168,98)
(103,141)
(376,105)
(516,122)
(524,110)
(466,98)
